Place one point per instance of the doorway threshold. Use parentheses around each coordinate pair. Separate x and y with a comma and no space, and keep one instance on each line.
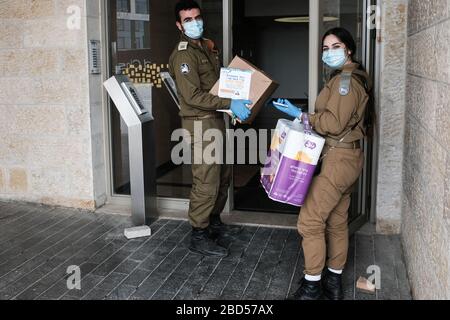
(264,219)
(245,218)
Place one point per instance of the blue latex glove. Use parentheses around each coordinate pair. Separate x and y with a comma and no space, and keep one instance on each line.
(240,109)
(290,110)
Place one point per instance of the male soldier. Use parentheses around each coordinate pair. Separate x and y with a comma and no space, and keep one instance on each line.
(195,66)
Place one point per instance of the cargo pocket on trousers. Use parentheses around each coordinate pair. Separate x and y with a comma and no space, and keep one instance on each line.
(348,170)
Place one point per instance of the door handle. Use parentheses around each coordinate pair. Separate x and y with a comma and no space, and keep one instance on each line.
(114,58)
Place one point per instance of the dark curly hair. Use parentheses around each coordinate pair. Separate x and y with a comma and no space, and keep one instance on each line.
(185,5)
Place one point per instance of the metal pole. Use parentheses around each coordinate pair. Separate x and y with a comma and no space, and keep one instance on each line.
(377,76)
(142,173)
(227,32)
(227,57)
(314,27)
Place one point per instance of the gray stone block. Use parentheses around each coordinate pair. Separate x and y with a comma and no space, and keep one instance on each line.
(421,101)
(443,51)
(422,14)
(443,115)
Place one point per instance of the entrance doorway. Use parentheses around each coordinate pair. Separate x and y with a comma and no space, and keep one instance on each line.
(281,50)
(273,35)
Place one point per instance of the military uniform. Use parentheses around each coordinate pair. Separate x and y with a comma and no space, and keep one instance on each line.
(323,220)
(196,69)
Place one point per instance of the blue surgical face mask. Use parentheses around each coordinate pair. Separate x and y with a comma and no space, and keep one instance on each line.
(334,58)
(193,29)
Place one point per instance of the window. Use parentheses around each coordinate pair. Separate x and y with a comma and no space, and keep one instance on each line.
(123,5)
(142,7)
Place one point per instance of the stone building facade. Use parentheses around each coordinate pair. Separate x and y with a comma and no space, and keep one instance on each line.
(426,165)
(52,120)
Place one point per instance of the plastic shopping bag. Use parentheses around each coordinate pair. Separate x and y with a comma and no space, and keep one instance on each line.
(292,159)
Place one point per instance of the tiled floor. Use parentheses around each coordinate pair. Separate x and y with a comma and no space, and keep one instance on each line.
(39,243)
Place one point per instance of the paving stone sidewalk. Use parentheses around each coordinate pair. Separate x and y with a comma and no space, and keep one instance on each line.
(38,243)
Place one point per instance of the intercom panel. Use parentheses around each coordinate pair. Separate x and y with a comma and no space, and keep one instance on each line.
(133,97)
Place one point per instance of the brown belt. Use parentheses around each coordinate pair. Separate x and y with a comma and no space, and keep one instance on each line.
(343,145)
(208,116)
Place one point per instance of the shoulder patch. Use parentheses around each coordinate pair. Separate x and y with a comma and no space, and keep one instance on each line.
(182,45)
(184,68)
(344,86)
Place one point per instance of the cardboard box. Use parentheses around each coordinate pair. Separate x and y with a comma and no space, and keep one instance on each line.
(261,88)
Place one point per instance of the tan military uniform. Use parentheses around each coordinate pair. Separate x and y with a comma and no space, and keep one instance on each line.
(196,69)
(323,220)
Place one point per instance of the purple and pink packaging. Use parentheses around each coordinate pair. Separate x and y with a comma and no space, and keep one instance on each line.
(291,161)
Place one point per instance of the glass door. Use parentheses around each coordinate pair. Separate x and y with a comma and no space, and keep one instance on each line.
(352,15)
(142,35)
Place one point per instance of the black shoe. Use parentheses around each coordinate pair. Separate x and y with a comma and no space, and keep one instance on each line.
(309,290)
(332,285)
(201,243)
(220,230)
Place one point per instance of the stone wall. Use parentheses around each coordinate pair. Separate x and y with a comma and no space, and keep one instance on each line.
(426,184)
(391,96)
(50,123)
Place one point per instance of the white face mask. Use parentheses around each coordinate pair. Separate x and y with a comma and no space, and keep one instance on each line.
(193,29)
(335,58)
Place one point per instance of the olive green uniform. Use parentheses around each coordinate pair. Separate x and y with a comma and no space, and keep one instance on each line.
(196,69)
(323,220)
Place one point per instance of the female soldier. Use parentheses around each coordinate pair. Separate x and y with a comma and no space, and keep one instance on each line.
(341,117)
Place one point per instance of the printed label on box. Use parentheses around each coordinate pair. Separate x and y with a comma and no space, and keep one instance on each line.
(235,83)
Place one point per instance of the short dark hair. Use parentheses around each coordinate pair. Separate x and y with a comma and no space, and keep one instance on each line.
(185,5)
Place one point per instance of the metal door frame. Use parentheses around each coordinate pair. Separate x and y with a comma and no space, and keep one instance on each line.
(366,185)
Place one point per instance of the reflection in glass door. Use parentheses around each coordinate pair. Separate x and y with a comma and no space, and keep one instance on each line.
(142,37)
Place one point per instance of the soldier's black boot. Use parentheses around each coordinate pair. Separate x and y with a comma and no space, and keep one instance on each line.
(221,230)
(332,285)
(309,290)
(201,243)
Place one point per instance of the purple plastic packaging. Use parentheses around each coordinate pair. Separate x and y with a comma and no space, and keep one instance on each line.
(291,162)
